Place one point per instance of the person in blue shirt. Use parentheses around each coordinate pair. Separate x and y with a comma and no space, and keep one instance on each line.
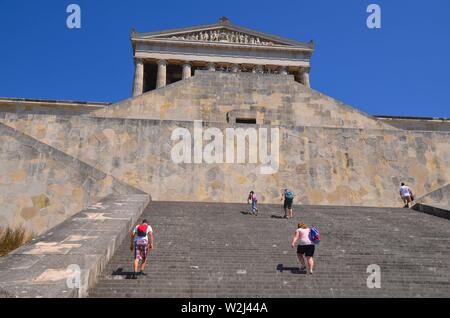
(288,197)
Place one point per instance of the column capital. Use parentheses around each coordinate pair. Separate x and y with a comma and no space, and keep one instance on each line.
(162,62)
(283,70)
(258,69)
(235,68)
(211,66)
(304,70)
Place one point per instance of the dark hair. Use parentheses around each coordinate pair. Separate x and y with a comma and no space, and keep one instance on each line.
(144,221)
(252,191)
(402,184)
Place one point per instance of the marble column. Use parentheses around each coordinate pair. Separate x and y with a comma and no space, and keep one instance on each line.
(211,67)
(187,70)
(305,78)
(235,68)
(138,84)
(162,74)
(283,70)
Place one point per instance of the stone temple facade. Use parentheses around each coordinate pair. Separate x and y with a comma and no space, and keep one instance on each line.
(58,157)
(169,56)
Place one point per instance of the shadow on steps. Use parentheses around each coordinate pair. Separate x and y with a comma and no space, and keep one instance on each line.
(294,270)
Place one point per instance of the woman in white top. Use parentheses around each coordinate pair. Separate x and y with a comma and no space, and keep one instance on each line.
(305,247)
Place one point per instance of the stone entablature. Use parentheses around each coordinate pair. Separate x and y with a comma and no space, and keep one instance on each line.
(165,57)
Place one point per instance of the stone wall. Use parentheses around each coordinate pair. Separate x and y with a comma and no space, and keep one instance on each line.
(338,166)
(87,240)
(50,107)
(271,99)
(439,197)
(330,153)
(426,124)
(40,186)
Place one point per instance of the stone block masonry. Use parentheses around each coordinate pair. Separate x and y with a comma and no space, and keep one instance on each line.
(436,203)
(330,153)
(218,250)
(212,96)
(41,186)
(323,165)
(66,261)
(438,197)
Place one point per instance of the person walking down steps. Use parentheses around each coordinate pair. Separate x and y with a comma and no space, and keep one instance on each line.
(141,243)
(254,201)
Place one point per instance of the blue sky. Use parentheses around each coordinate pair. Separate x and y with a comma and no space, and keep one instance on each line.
(402,69)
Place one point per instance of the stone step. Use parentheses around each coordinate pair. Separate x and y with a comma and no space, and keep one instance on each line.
(215,250)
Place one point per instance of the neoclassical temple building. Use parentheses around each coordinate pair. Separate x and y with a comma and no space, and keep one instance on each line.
(239,102)
(168,56)
(57,157)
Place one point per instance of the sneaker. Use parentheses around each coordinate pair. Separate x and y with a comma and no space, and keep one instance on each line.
(133,276)
(311,272)
(142,273)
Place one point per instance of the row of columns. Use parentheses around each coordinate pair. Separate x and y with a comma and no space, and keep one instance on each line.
(138,86)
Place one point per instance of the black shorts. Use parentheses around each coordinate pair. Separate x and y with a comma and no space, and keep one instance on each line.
(307,250)
(288,203)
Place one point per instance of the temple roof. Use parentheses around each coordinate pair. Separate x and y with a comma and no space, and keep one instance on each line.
(224,32)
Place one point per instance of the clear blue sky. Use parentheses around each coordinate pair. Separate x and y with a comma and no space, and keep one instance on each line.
(402,69)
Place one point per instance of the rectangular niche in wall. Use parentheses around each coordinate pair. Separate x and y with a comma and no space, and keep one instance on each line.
(246,121)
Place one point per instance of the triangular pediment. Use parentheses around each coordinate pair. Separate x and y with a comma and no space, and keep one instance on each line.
(222,33)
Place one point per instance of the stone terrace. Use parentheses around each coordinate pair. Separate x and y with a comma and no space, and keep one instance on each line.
(217,250)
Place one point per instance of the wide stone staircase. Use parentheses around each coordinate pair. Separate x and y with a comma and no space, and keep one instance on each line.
(219,250)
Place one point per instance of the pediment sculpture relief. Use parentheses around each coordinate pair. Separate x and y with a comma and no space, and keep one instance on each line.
(223,36)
